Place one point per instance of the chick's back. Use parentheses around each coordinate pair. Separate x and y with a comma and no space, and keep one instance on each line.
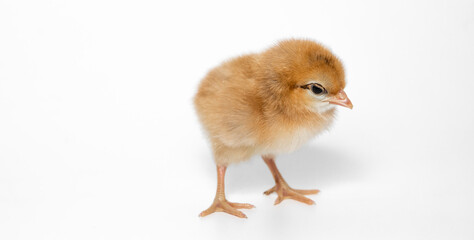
(228,105)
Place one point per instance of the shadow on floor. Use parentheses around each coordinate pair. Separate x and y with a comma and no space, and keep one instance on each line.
(311,167)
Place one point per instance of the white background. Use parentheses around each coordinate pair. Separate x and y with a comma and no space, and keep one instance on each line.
(99,139)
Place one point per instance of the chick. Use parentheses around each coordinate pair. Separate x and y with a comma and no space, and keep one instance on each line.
(268,103)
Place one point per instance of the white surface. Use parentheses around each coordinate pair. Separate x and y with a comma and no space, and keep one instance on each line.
(99,140)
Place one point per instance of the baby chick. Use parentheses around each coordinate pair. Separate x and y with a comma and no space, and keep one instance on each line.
(268,103)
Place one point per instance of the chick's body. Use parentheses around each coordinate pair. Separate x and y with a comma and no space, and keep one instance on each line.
(241,120)
(257,103)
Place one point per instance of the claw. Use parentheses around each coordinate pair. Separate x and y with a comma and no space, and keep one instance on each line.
(269,191)
(306,192)
(241,205)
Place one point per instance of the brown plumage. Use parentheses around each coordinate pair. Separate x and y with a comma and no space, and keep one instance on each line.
(266,104)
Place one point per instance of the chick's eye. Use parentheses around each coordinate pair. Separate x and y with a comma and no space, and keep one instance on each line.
(316,90)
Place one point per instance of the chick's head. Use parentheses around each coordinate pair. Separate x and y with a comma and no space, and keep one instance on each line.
(302,75)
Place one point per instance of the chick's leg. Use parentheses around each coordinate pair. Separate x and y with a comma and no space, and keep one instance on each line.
(220,203)
(281,187)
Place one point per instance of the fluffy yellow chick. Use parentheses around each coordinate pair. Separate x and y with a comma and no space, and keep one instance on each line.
(268,103)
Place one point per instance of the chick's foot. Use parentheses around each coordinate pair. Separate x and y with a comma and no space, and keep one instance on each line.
(286,192)
(222,205)
(281,187)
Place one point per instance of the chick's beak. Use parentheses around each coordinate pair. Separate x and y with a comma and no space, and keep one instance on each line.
(340,99)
